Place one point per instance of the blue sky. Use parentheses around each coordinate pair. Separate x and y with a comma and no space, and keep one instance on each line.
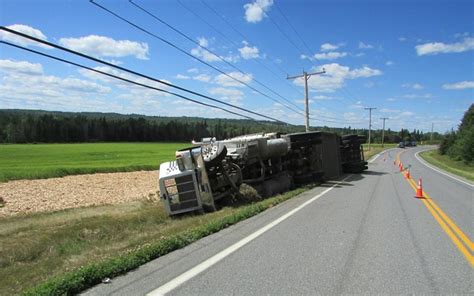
(412,60)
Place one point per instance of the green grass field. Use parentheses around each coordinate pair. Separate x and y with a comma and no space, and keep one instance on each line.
(444,162)
(375,148)
(36,161)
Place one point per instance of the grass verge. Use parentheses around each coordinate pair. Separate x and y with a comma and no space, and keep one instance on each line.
(69,251)
(40,161)
(444,162)
(375,149)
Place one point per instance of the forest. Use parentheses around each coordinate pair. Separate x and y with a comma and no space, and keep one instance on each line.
(459,145)
(38,126)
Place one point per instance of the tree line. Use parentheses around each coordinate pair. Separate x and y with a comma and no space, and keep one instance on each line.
(459,145)
(37,126)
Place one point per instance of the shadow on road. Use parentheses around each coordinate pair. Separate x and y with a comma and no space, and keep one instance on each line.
(373,173)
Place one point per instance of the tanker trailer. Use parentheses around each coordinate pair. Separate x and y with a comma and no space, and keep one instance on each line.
(202,175)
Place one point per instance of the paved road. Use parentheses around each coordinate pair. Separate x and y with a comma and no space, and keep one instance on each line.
(368,234)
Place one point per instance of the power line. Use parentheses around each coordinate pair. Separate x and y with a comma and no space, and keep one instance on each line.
(207,49)
(134,72)
(186,53)
(302,40)
(241,35)
(238,32)
(123,79)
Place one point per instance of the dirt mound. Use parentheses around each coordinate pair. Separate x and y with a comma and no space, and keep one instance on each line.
(28,196)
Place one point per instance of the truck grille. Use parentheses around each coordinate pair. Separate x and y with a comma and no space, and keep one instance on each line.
(182,193)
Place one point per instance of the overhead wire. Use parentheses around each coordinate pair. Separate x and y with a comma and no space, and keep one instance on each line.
(310,57)
(124,79)
(135,73)
(239,33)
(186,53)
(229,24)
(207,49)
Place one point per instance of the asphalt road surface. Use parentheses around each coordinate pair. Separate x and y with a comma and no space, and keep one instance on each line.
(366,234)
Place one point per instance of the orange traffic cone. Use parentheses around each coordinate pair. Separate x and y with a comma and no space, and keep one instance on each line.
(419,189)
(401,167)
(407,174)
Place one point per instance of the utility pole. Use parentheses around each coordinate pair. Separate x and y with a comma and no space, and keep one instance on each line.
(370,121)
(431,136)
(383,128)
(306,76)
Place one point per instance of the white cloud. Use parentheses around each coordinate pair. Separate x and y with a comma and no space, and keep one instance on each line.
(369,84)
(26,86)
(21,67)
(362,45)
(224,80)
(329,47)
(335,77)
(6,36)
(387,110)
(231,94)
(389,63)
(248,52)
(202,53)
(364,72)
(207,56)
(418,96)
(407,113)
(415,86)
(459,85)
(330,55)
(391,99)
(302,101)
(192,70)
(323,98)
(202,78)
(102,46)
(459,35)
(130,91)
(434,48)
(402,39)
(255,11)
(182,77)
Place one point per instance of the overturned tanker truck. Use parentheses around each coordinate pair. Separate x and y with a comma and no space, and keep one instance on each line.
(205,175)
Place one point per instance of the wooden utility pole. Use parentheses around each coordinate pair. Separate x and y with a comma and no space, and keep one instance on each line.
(383,129)
(306,76)
(370,121)
(431,136)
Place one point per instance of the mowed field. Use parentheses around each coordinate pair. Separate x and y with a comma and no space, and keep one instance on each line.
(375,149)
(39,161)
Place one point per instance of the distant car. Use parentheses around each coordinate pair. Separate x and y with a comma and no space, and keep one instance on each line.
(407,143)
(401,145)
(413,144)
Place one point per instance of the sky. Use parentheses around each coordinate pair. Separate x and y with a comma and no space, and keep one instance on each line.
(411,60)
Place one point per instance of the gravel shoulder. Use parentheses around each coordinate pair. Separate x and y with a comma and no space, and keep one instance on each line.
(46,195)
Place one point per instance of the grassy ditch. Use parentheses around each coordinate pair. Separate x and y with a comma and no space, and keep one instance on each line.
(444,162)
(375,149)
(39,161)
(68,251)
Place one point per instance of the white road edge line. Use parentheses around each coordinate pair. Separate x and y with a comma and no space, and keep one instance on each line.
(438,170)
(186,276)
(373,158)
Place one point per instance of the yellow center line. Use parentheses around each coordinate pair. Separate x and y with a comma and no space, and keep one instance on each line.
(428,202)
(448,220)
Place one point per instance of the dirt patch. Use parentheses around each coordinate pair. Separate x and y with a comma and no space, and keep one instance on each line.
(29,196)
